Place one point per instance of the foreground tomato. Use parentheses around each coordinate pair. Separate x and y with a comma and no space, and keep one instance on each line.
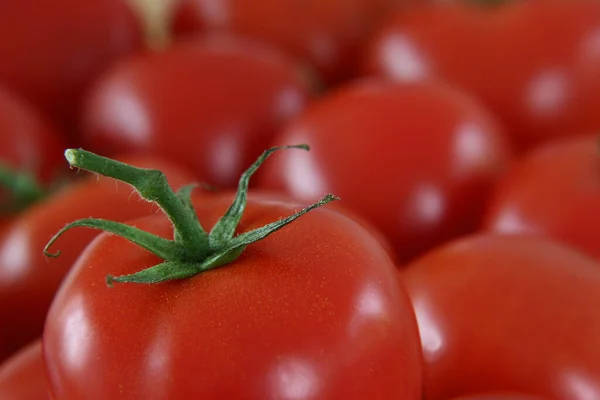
(312,311)
(212,104)
(30,147)
(554,190)
(326,33)
(51,54)
(28,281)
(508,313)
(534,63)
(22,376)
(417,161)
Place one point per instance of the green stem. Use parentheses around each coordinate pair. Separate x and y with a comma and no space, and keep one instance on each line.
(152,185)
(23,187)
(193,250)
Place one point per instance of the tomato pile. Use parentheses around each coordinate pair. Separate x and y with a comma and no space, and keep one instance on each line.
(282,199)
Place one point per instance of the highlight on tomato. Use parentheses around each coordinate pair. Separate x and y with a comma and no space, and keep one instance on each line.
(229,296)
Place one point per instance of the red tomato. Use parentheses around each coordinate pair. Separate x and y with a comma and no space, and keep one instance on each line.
(22,376)
(417,161)
(27,141)
(534,63)
(326,33)
(51,54)
(553,190)
(29,280)
(312,311)
(508,313)
(212,104)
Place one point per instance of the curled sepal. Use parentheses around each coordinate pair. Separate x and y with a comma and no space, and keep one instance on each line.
(167,271)
(163,248)
(225,228)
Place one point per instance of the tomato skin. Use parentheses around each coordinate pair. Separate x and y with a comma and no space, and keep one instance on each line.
(534,63)
(327,34)
(534,304)
(52,54)
(212,104)
(28,142)
(28,279)
(22,376)
(553,190)
(312,311)
(399,155)
(498,397)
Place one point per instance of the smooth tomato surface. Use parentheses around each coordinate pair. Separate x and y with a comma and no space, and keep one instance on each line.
(22,376)
(415,160)
(536,64)
(508,313)
(210,103)
(312,311)
(498,397)
(553,190)
(50,55)
(28,279)
(328,34)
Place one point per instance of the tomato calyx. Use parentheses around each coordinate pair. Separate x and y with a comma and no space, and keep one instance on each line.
(192,250)
(23,187)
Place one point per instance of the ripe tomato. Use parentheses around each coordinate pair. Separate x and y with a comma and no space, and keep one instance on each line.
(28,142)
(212,104)
(51,54)
(417,161)
(553,190)
(508,313)
(536,64)
(328,34)
(22,376)
(28,280)
(311,311)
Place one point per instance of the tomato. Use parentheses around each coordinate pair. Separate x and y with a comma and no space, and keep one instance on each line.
(328,34)
(553,190)
(311,311)
(28,280)
(508,313)
(22,376)
(51,54)
(212,104)
(536,64)
(416,161)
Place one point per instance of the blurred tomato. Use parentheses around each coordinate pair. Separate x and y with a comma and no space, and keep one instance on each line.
(22,376)
(508,313)
(534,63)
(52,49)
(553,190)
(328,34)
(416,161)
(212,104)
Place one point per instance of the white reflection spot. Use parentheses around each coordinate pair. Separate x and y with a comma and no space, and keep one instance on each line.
(403,59)
(431,338)
(225,154)
(214,11)
(294,379)
(547,92)
(579,387)
(306,181)
(369,302)
(128,114)
(13,254)
(470,146)
(426,205)
(76,334)
(289,103)
(510,221)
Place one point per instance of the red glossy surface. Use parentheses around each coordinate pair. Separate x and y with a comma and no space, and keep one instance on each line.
(312,311)
(211,104)
(536,64)
(554,190)
(416,161)
(22,376)
(508,313)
